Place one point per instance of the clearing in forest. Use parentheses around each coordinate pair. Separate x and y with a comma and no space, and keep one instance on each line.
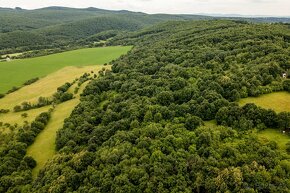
(275,135)
(278,101)
(43,147)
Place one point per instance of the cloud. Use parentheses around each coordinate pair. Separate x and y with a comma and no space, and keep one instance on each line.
(248,7)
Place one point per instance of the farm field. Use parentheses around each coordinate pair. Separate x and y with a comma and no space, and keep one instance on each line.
(278,101)
(16,72)
(46,86)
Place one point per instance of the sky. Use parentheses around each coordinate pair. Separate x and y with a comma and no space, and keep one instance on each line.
(244,7)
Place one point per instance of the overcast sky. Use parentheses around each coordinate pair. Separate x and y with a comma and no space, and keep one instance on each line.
(245,7)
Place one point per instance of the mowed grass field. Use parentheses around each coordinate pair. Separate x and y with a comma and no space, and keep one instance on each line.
(15,117)
(278,101)
(45,87)
(16,72)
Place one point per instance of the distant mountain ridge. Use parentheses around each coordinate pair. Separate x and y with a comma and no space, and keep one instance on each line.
(52,27)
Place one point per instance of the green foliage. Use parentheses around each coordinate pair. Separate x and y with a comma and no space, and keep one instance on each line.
(31,81)
(193,122)
(286,85)
(288,147)
(57,27)
(15,167)
(137,128)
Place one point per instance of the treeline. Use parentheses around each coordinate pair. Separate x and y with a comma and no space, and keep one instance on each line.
(61,95)
(250,116)
(139,127)
(15,165)
(54,27)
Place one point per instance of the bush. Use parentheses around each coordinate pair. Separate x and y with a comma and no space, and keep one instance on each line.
(30,161)
(17,108)
(2,111)
(13,89)
(286,85)
(288,147)
(28,82)
(66,97)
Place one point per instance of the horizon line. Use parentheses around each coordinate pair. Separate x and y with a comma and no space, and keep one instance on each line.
(239,15)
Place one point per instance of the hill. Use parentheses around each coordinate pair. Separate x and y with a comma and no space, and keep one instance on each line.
(140,128)
(54,27)
(59,27)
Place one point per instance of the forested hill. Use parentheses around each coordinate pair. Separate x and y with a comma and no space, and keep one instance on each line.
(139,127)
(63,28)
(21,19)
(59,27)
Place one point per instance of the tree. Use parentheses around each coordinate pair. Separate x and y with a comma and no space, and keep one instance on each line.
(286,85)
(288,147)
(165,98)
(30,161)
(284,120)
(192,122)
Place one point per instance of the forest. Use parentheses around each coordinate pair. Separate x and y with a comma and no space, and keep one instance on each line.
(54,29)
(143,126)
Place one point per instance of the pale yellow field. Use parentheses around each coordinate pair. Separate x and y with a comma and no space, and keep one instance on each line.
(278,101)
(46,86)
(43,147)
(16,118)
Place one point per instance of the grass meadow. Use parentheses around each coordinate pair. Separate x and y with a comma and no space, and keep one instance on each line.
(16,72)
(278,101)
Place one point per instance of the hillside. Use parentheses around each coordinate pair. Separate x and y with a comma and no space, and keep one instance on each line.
(59,27)
(140,128)
(54,27)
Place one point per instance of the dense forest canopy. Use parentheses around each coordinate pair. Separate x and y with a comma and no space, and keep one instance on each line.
(143,126)
(59,27)
(140,127)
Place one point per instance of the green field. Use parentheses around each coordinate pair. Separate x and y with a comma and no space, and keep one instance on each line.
(278,101)
(16,72)
(46,86)
(275,135)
